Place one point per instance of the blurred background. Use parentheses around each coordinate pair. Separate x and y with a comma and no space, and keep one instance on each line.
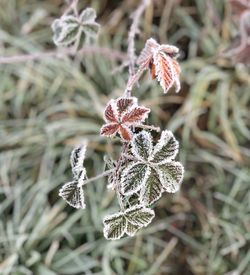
(49,104)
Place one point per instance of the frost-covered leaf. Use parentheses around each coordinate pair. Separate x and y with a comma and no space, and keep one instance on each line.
(73,194)
(147,53)
(152,190)
(65,30)
(141,145)
(125,133)
(139,215)
(120,115)
(88,15)
(171,175)
(91,29)
(114,226)
(167,68)
(109,130)
(131,228)
(110,112)
(77,159)
(136,115)
(172,51)
(124,103)
(134,177)
(166,149)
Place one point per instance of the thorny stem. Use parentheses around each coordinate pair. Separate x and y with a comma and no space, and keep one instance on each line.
(117,186)
(149,127)
(104,174)
(134,29)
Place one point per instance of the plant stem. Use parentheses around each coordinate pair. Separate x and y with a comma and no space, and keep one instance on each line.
(104,174)
(149,127)
(112,54)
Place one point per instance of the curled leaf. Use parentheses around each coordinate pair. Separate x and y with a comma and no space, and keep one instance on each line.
(73,194)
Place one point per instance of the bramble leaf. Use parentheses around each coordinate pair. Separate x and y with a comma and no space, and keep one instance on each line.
(114,226)
(131,229)
(141,145)
(152,190)
(120,115)
(134,177)
(73,194)
(77,159)
(65,30)
(139,215)
(171,175)
(146,54)
(135,115)
(166,149)
(88,15)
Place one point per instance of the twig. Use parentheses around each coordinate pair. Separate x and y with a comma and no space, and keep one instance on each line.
(134,29)
(112,54)
(104,174)
(149,127)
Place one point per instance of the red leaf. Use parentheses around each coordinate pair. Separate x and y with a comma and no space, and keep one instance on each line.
(147,53)
(125,133)
(137,114)
(109,113)
(109,129)
(166,70)
(124,103)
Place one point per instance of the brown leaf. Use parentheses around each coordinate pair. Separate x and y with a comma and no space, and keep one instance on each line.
(136,115)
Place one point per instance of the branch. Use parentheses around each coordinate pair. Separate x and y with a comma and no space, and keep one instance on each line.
(112,54)
(104,174)
(134,29)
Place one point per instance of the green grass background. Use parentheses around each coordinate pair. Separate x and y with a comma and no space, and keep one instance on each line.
(48,106)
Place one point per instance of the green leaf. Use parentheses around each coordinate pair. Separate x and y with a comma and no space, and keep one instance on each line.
(131,228)
(134,177)
(88,15)
(171,175)
(114,226)
(139,215)
(73,194)
(152,190)
(91,29)
(64,33)
(142,145)
(166,149)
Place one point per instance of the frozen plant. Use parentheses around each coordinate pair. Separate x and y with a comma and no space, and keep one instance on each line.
(146,167)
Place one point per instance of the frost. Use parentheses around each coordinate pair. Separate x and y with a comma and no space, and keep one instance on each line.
(142,146)
(153,170)
(129,222)
(73,194)
(171,175)
(68,29)
(161,60)
(166,149)
(134,177)
(120,115)
(152,190)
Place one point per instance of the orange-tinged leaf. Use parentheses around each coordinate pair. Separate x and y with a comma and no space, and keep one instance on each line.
(136,115)
(109,129)
(125,133)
